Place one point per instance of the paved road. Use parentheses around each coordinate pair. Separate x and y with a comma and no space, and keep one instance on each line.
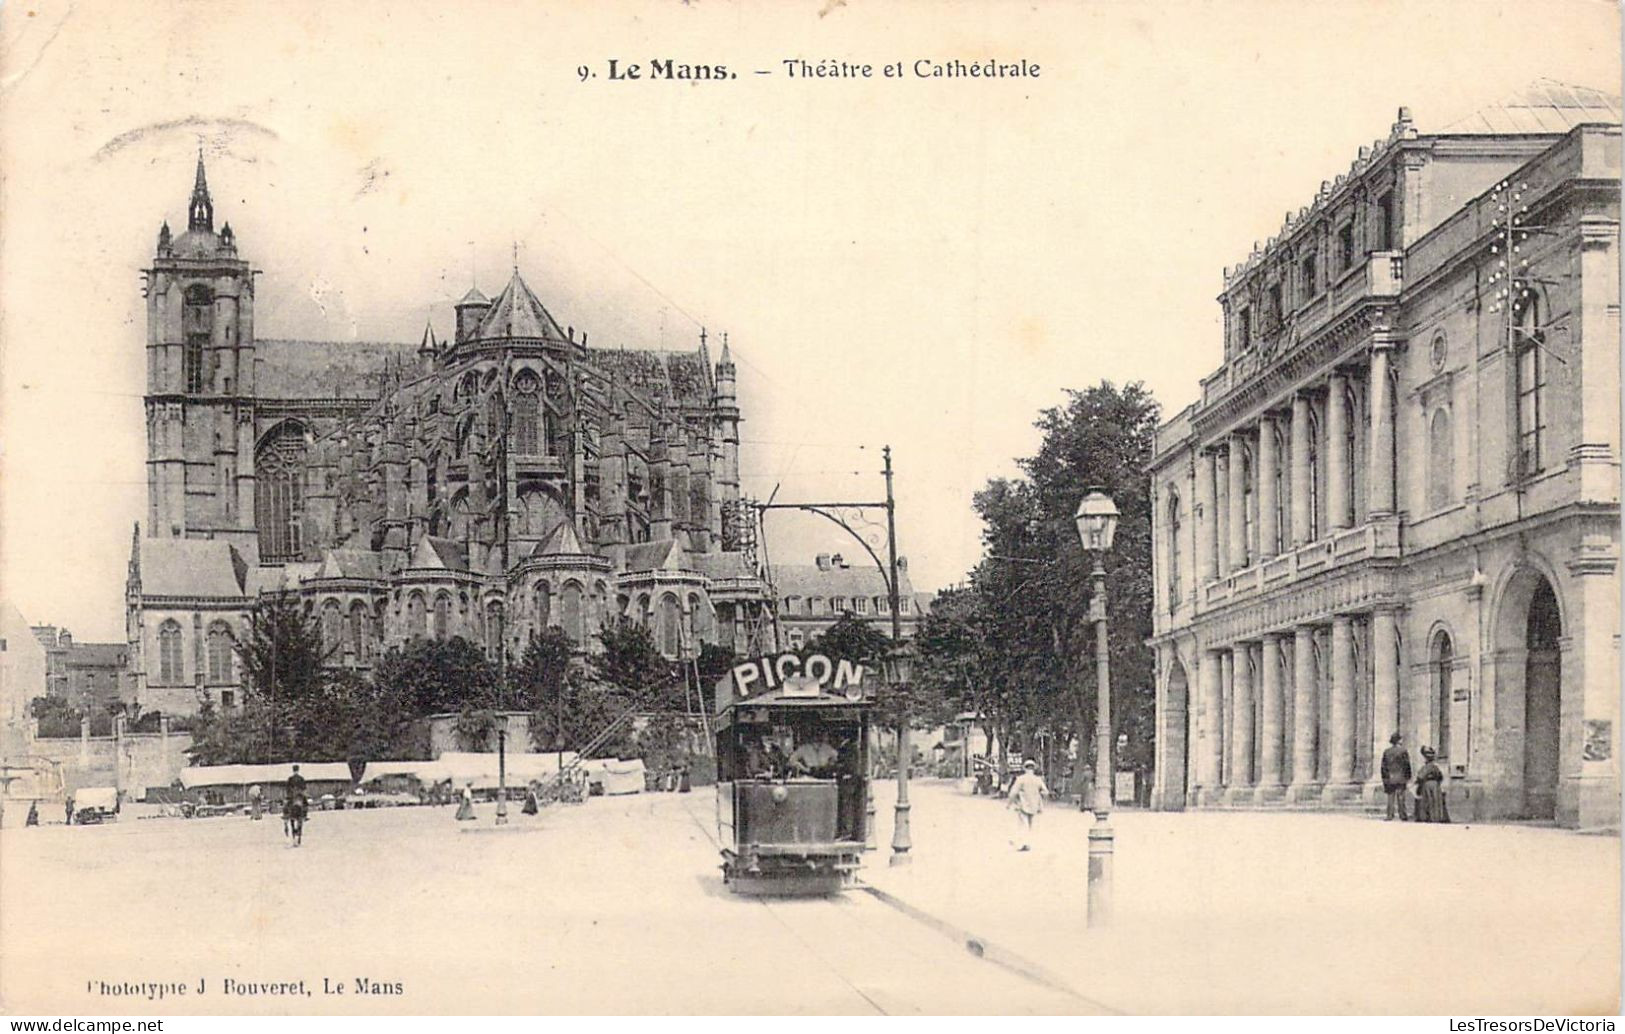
(613,906)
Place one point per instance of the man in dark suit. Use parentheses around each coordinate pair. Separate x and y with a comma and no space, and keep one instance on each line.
(1396,776)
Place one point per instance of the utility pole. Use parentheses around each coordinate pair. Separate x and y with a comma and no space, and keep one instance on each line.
(901,841)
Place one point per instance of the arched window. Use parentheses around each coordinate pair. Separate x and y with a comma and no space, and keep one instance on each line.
(442,615)
(1175,527)
(279,496)
(220,646)
(495,418)
(1443,660)
(417,615)
(197,325)
(359,640)
(495,629)
(544,605)
(671,618)
(171,661)
(1441,461)
(570,613)
(332,629)
(701,612)
(527,402)
(1531,387)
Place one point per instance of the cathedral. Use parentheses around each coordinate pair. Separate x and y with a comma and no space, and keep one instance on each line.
(487,486)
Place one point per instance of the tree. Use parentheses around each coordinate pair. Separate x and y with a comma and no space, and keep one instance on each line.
(1023,642)
(284,658)
(631,662)
(540,684)
(436,676)
(855,639)
(57,717)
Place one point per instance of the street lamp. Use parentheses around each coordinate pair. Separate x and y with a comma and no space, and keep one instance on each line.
(899,664)
(1097,525)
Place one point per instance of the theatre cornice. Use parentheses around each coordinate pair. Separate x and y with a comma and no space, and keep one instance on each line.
(1276,376)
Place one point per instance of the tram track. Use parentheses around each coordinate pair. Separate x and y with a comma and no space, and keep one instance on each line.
(881,941)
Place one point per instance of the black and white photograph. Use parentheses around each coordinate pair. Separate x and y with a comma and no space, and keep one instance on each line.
(822,508)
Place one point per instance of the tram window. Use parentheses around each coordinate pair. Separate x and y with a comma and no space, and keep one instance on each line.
(801,750)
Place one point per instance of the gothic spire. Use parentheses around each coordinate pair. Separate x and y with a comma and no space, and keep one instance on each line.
(201,215)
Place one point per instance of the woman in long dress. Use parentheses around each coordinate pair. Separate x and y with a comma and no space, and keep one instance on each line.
(465,809)
(1430,806)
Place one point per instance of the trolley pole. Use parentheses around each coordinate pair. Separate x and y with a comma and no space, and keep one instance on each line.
(901,841)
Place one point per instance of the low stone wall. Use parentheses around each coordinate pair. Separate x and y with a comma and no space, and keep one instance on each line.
(130,762)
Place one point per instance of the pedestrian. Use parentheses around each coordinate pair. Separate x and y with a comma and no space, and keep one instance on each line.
(1396,776)
(1027,797)
(255,805)
(465,809)
(33,813)
(531,806)
(67,820)
(1430,803)
(683,783)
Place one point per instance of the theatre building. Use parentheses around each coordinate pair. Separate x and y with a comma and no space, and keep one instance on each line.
(1395,505)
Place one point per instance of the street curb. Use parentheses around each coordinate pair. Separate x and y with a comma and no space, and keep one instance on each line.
(984,949)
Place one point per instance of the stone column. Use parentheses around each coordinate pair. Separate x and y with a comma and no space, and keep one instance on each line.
(1270,788)
(1207,491)
(1221,510)
(1241,724)
(1305,715)
(1237,502)
(1340,770)
(1227,693)
(1267,461)
(1300,470)
(1384,692)
(1381,478)
(1337,473)
(1212,742)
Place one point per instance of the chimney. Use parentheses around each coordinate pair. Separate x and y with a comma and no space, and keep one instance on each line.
(823,561)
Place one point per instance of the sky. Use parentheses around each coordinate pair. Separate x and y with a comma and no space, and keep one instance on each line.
(925,263)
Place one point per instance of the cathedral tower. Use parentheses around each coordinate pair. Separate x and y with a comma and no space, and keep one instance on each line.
(200,381)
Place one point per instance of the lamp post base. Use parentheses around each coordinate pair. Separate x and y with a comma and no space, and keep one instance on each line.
(901,842)
(1100,872)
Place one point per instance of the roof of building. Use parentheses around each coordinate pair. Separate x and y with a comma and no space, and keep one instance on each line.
(474,297)
(191,567)
(351,563)
(434,553)
(857,580)
(561,541)
(98,655)
(656,555)
(285,576)
(722,565)
(1544,106)
(295,369)
(679,377)
(517,312)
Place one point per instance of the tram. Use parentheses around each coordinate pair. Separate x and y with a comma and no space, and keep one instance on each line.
(792,735)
